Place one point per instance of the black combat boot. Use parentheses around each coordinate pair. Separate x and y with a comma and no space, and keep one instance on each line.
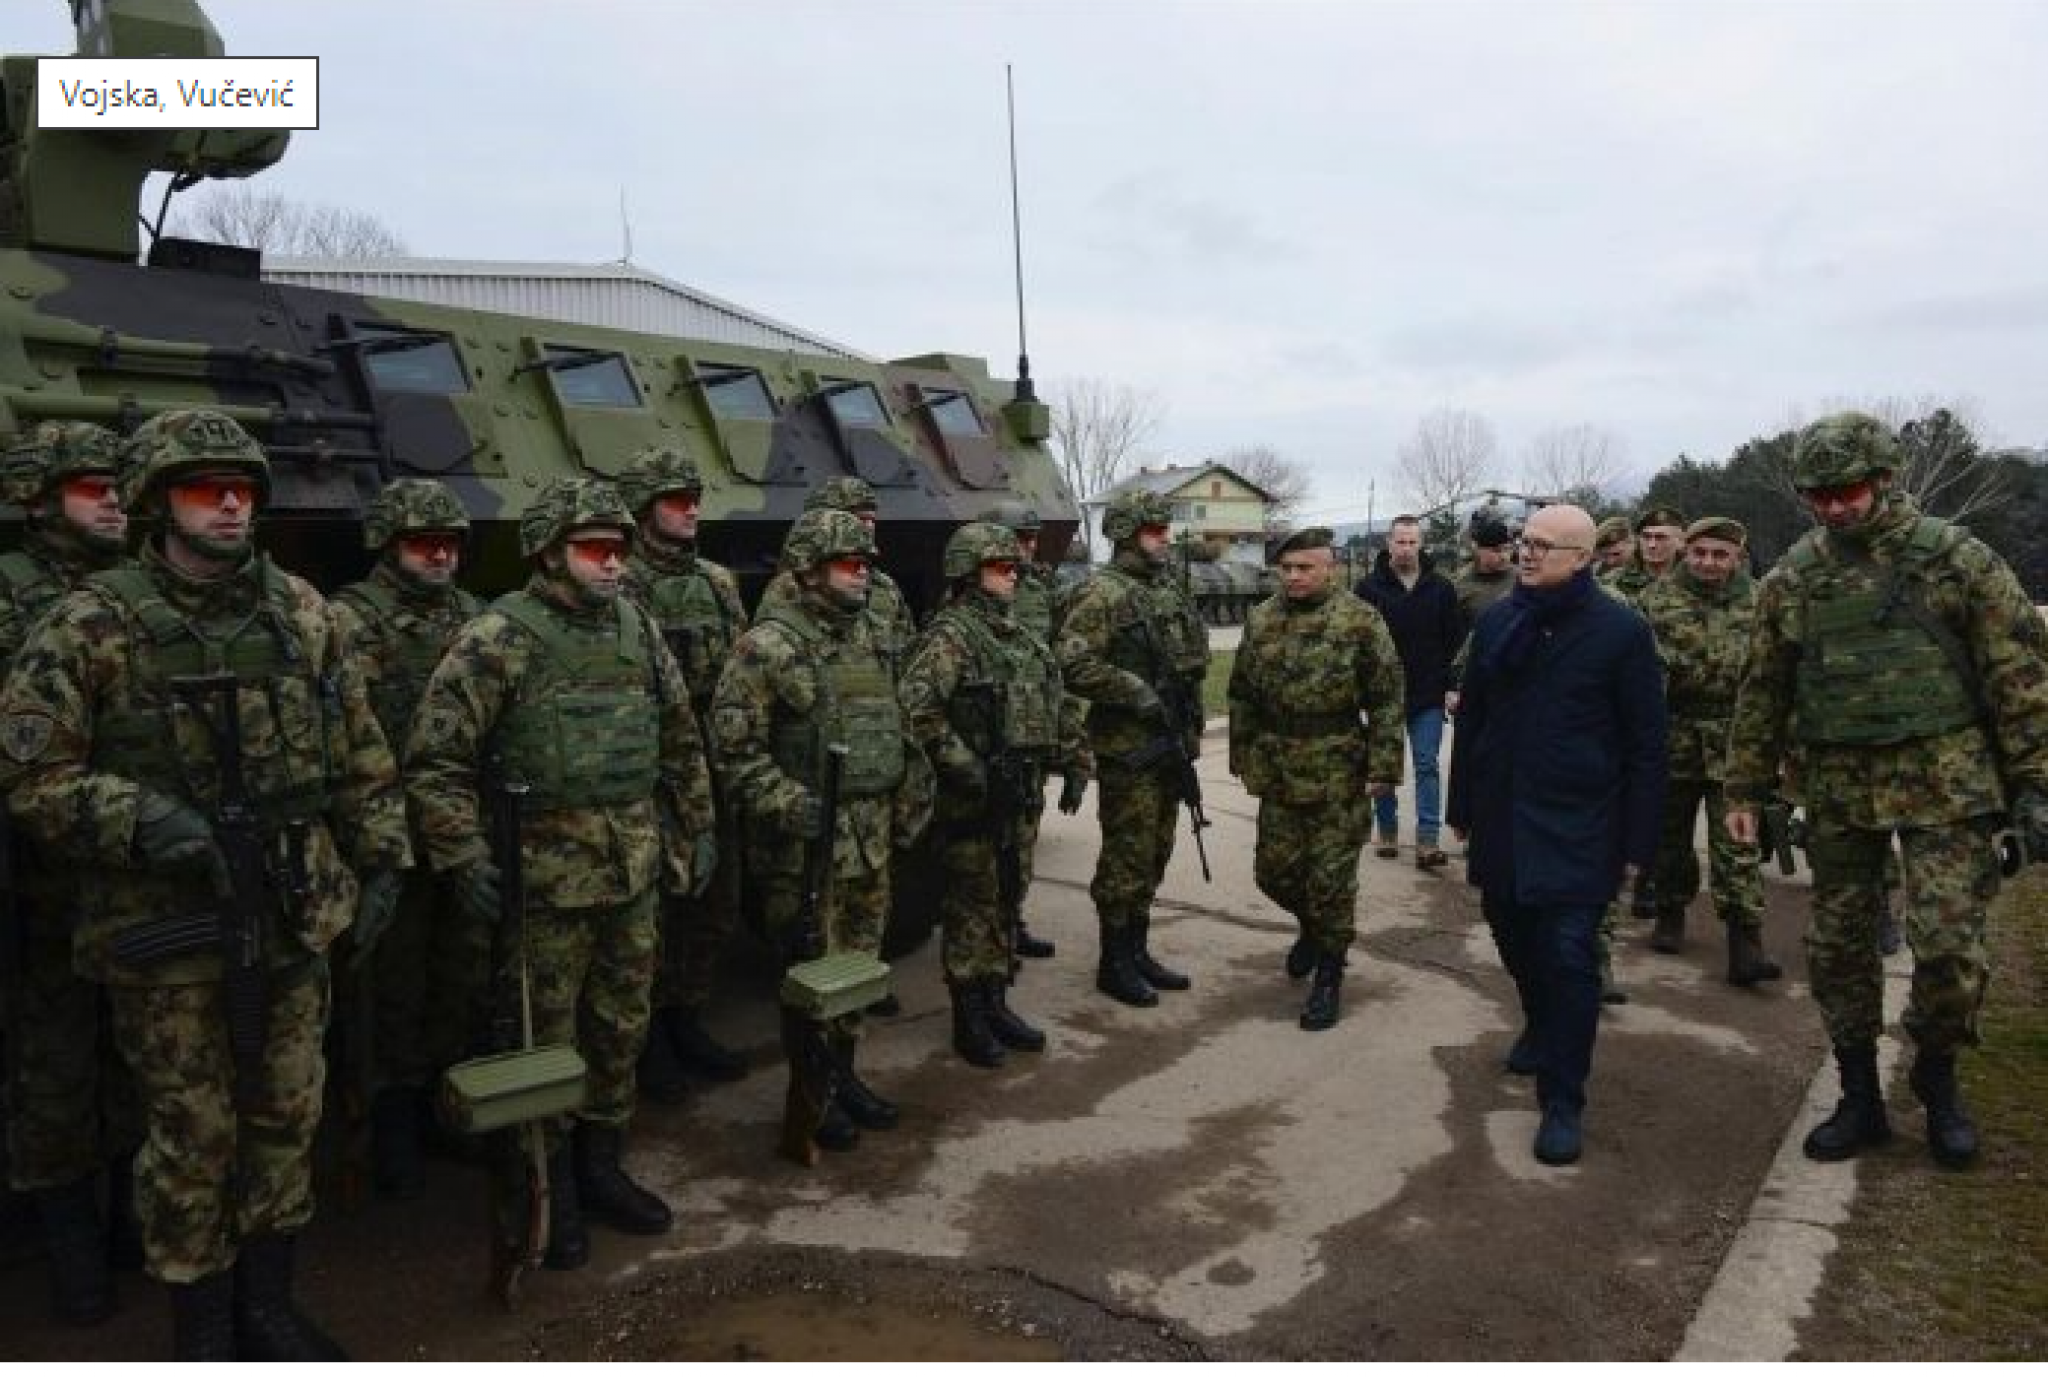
(610,1196)
(1747,964)
(1669,934)
(1301,958)
(395,1122)
(855,1095)
(972,1037)
(1859,1120)
(75,1241)
(1321,1010)
(1642,901)
(696,1049)
(1157,976)
(203,1319)
(1009,1027)
(658,1074)
(1116,972)
(1951,1136)
(568,1247)
(269,1326)
(836,1132)
(1035,948)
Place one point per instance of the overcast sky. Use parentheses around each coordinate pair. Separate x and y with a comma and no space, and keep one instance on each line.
(1300,225)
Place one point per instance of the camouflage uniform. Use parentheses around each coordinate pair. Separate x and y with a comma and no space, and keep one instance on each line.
(1703,633)
(579,698)
(1902,661)
(982,697)
(891,626)
(70,1103)
(1305,671)
(1132,641)
(697,605)
(109,768)
(412,997)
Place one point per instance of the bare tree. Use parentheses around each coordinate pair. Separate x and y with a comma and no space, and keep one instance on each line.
(1097,427)
(1286,482)
(1573,460)
(239,214)
(1448,456)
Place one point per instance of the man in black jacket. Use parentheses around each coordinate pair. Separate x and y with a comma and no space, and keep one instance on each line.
(1421,609)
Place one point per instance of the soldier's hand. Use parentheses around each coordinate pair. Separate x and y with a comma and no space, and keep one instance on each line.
(483,890)
(1072,789)
(171,836)
(703,860)
(1379,788)
(1741,824)
(807,817)
(376,907)
(1451,700)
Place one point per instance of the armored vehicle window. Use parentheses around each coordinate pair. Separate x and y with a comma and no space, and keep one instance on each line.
(953,413)
(590,377)
(856,404)
(411,361)
(736,394)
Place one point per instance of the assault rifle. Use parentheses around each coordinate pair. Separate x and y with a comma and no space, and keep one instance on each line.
(1780,831)
(512,1030)
(1177,715)
(813,1071)
(1012,788)
(249,899)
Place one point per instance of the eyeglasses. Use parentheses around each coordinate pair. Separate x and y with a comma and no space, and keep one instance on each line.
(680,503)
(214,490)
(1542,548)
(848,565)
(89,487)
(1007,568)
(1829,494)
(431,545)
(600,549)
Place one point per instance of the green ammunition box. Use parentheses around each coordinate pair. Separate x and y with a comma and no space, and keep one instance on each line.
(835,985)
(512,1088)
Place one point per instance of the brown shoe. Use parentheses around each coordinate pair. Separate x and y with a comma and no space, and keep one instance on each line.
(1388,847)
(1430,858)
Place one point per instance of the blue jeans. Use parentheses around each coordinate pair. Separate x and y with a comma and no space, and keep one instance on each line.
(1425,743)
(1550,950)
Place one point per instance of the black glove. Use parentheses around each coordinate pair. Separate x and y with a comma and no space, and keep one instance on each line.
(376,907)
(807,817)
(482,888)
(1072,788)
(173,838)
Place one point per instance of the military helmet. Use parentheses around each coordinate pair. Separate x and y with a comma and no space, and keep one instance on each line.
(1844,448)
(1127,511)
(842,495)
(656,472)
(975,544)
(411,504)
(1016,515)
(818,536)
(567,503)
(172,444)
(53,452)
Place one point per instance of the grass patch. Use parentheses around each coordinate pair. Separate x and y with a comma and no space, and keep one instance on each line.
(1216,687)
(1953,1266)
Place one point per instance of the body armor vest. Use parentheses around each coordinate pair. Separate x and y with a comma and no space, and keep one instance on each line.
(1876,665)
(695,622)
(1156,632)
(1010,701)
(407,642)
(856,705)
(285,702)
(584,729)
(1032,607)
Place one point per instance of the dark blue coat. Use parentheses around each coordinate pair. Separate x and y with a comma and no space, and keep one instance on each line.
(1426,625)
(1557,768)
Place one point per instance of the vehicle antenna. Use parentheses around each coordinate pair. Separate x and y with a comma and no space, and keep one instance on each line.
(1025,391)
(625,230)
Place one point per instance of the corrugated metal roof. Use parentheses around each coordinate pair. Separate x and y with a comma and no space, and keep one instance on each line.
(617,296)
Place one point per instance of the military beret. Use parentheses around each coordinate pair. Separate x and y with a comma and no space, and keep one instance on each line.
(1491,532)
(1661,516)
(1612,531)
(1307,538)
(1718,528)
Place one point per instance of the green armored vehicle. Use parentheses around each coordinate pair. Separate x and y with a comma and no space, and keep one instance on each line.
(350,392)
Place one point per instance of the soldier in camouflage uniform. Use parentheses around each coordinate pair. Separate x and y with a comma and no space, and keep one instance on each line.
(1702,613)
(892,627)
(70,1103)
(1032,609)
(1899,657)
(982,697)
(696,603)
(1134,647)
(412,994)
(119,775)
(1660,532)
(808,675)
(567,687)
(1613,545)
(1313,658)
(1479,583)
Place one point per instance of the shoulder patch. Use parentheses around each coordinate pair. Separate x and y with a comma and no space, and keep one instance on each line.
(25,736)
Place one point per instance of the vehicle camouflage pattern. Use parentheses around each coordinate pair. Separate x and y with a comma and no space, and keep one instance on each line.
(348,393)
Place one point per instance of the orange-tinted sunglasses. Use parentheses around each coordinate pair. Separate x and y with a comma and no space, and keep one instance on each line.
(213,490)
(681,503)
(1005,567)
(1838,492)
(599,549)
(849,564)
(431,545)
(89,487)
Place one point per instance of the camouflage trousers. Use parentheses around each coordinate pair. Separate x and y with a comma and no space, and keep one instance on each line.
(854,913)
(1951,876)
(429,993)
(974,928)
(1138,812)
(695,933)
(1735,872)
(1306,861)
(71,1103)
(208,1174)
(592,971)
